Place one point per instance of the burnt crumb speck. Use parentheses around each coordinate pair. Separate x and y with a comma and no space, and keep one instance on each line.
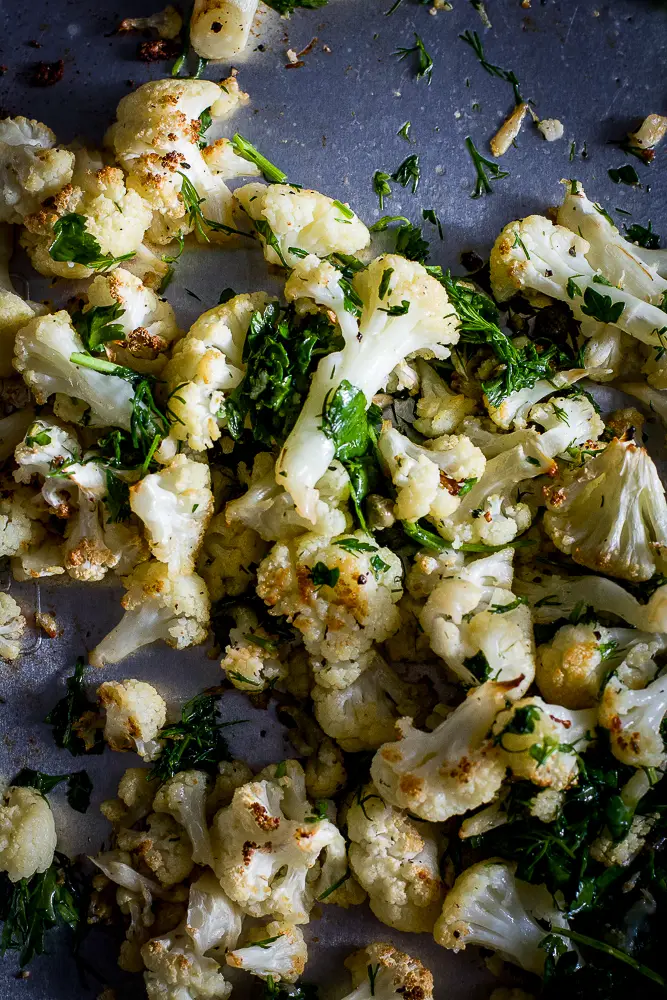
(260,48)
(3,70)
(262,733)
(129,83)
(45,74)
(159,50)
(34,44)
(216,27)
(471,260)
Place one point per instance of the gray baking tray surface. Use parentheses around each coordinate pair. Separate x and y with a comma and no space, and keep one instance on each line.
(598,67)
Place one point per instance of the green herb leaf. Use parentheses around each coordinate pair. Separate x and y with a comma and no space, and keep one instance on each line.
(482,165)
(424,64)
(354,545)
(643,236)
(383,287)
(408,172)
(74,244)
(96,326)
(428,215)
(322,576)
(404,131)
(572,288)
(287,7)
(381,186)
(397,310)
(195,742)
(344,421)
(624,175)
(31,907)
(600,307)
(472,39)
(272,173)
(69,717)
(386,220)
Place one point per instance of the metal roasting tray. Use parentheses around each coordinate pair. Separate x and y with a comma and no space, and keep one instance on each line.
(599,67)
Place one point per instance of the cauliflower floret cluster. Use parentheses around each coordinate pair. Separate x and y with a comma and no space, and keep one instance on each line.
(339,593)
(396,860)
(380,970)
(276,951)
(32,167)
(27,833)
(135,713)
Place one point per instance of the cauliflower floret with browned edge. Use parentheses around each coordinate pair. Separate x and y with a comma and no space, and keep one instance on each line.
(542,743)
(634,718)
(134,801)
(396,860)
(156,140)
(175,505)
(339,593)
(439,410)
(252,658)
(177,972)
(276,951)
(571,667)
(489,906)
(113,215)
(273,855)
(363,715)
(148,324)
(32,167)
(455,768)
(12,627)
(27,833)
(163,846)
(611,515)
(206,364)
(379,970)
(135,713)
(157,606)
(287,217)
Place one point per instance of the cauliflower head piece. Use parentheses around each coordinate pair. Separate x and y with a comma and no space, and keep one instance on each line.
(213,921)
(286,217)
(175,505)
(339,593)
(164,847)
(157,606)
(276,951)
(135,713)
(571,668)
(380,970)
(27,833)
(633,719)
(396,860)
(439,410)
(228,557)
(541,742)
(446,772)
(611,515)
(183,796)
(32,167)
(12,627)
(412,317)
(488,906)
(177,972)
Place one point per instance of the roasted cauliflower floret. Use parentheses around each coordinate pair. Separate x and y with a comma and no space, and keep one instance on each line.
(97,197)
(450,770)
(296,217)
(42,354)
(228,557)
(175,505)
(488,906)
(252,658)
(611,515)
(413,316)
(213,921)
(183,796)
(157,606)
(206,364)
(135,713)
(27,833)
(339,593)
(12,626)
(32,167)
(148,324)
(273,855)
(135,798)
(276,951)
(177,972)
(634,718)
(380,971)
(396,860)
(542,743)
(164,847)
(439,410)
(362,715)
(572,666)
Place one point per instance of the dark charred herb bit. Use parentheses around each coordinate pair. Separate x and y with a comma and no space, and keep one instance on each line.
(424,63)
(272,173)
(472,39)
(72,718)
(624,175)
(381,186)
(643,236)
(74,244)
(32,907)
(482,165)
(96,326)
(79,785)
(287,7)
(408,172)
(600,307)
(196,741)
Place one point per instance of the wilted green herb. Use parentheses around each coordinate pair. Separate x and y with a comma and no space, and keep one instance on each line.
(96,326)
(381,186)
(424,64)
(272,173)
(404,131)
(624,175)
(195,742)
(74,244)
(472,39)
(428,214)
(601,307)
(643,236)
(31,907)
(287,7)
(408,172)
(79,785)
(67,717)
(324,576)
(482,165)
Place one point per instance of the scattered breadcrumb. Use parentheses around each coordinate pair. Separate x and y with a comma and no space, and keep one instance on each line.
(47,622)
